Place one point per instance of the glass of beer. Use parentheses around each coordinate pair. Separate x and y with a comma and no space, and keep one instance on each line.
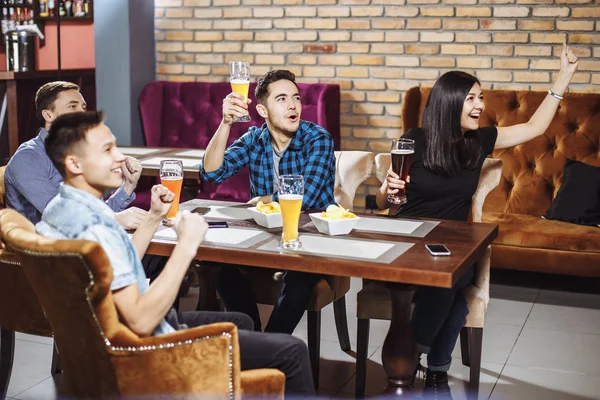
(291,193)
(403,151)
(239,77)
(171,176)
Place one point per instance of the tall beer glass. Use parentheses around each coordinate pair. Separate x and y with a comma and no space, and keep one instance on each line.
(239,77)
(291,193)
(171,176)
(403,151)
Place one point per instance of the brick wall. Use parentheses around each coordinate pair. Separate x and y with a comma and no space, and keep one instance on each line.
(377,49)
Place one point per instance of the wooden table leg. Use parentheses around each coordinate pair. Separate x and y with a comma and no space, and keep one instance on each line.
(399,355)
(13,120)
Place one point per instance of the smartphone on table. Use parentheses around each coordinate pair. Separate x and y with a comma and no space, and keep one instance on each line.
(437,250)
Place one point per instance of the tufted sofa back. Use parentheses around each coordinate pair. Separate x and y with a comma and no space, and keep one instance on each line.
(187,114)
(531,172)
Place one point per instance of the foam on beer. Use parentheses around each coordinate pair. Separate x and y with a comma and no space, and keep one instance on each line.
(403,151)
(239,81)
(291,197)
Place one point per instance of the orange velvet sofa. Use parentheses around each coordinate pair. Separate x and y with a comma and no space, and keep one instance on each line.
(531,177)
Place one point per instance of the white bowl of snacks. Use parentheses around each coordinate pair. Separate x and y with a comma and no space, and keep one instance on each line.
(267,215)
(334,221)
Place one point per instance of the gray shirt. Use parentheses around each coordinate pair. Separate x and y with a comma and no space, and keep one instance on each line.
(31,181)
(276,158)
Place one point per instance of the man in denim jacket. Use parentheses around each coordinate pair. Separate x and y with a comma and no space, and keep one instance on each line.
(84,151)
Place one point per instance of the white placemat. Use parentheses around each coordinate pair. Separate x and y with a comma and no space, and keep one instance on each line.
(155,161)
(228,213)
(191,153)
(223,236)
(344,248)
(136,151)
(387,225)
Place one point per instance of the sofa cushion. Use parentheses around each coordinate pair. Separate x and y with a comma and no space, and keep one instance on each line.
(528,231)
(578,199)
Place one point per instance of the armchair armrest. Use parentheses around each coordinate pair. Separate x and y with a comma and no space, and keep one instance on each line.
(202,360)
(263,383)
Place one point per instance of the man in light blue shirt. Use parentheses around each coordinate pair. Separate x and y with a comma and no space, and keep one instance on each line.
(84,152)
(31,180)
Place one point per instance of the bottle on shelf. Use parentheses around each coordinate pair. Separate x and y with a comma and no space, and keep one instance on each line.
(78,8)
(4,21)
(62,9)
(43,8)
(51,8)
(11,19)
(86,7)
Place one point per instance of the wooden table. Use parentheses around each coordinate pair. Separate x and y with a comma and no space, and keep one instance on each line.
(190,171)
(416,266)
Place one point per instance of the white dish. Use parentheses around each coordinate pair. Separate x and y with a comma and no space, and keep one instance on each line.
(266,220)
(333,227)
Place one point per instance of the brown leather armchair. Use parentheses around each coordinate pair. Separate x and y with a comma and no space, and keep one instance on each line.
(374,302)
(100,356)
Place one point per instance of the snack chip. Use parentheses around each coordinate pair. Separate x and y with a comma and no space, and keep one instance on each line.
(269,208)
(336,212)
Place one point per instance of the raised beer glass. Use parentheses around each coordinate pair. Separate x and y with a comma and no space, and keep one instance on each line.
(171,176)
(291,193)
(239,77)
(403,151)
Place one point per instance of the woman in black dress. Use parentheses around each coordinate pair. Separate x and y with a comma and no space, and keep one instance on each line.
(449,152)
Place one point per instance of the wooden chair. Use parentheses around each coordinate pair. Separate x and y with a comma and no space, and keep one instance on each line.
(101,357)
(373,301)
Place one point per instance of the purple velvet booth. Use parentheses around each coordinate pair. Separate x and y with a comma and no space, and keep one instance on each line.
(187,114)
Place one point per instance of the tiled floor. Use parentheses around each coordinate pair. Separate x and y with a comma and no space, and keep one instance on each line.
(541,341)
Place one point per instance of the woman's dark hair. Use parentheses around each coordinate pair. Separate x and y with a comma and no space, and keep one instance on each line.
(66,131)
(262,88)
(447,150)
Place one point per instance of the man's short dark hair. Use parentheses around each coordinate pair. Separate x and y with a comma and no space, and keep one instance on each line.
(47,94)
(262,88)
(67,131)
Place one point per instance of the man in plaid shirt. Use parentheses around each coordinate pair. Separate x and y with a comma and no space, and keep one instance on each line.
(283,145)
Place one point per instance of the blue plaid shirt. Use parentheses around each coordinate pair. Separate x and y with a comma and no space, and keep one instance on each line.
(310,153)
